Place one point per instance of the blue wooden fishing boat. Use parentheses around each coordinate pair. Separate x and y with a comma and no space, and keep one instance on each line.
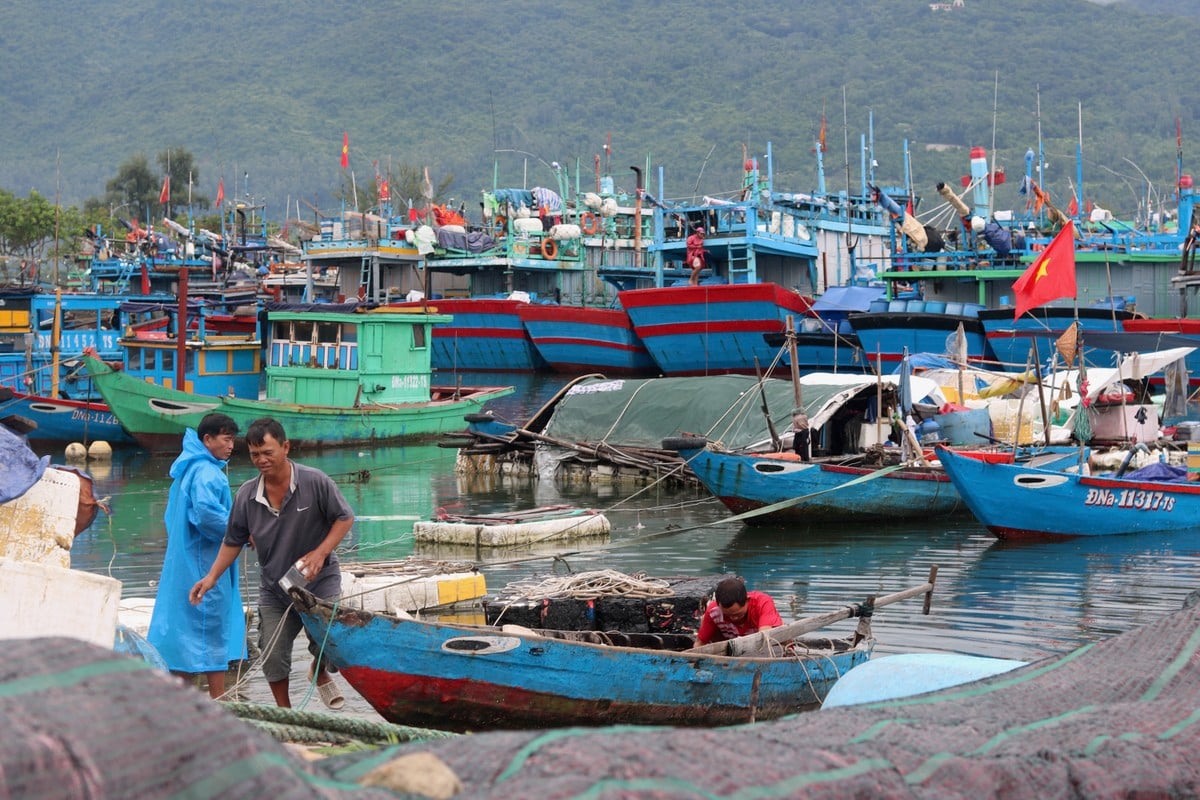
(63,420)
(480,335)
(1016,501)
(762,253)
(890,328)
(572,339)
(1012,342)
(466,677)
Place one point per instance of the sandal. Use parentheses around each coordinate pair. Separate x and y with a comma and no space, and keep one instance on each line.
(331,695)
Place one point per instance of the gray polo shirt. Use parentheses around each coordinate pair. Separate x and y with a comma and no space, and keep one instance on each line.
(312,504)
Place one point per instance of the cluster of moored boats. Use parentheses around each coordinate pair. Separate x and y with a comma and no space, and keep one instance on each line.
(839,356)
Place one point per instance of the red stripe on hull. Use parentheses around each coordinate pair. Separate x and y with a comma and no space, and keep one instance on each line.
(479,333)
(463,705)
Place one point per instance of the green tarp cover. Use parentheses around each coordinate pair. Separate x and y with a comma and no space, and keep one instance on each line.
(725,408)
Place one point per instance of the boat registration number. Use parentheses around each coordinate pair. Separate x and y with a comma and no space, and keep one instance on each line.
(1139,499)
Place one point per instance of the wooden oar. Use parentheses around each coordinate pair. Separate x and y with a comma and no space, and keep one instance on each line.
(809,624)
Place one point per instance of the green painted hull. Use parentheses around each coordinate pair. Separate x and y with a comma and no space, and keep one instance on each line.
(157,417)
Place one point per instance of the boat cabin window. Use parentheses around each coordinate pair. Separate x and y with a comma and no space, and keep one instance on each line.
(328,332)
(303,331)
(418,335)
(168,359)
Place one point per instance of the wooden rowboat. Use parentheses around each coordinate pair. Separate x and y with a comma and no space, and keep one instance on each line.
(463,677)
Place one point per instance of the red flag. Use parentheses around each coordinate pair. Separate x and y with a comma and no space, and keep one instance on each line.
(220,192)
(385,193)
(1073,207)
(165,194)
(345,150)
(1049,277)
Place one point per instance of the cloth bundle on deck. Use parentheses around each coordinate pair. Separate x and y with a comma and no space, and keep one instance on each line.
(471,242)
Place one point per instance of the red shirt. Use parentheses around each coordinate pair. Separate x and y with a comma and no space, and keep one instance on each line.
(760,611)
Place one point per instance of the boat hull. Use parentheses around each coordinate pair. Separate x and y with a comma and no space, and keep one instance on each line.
(574,340)
(486,335)
(61,420)
(746,483)
(1020,502)
(157,417)
(1012,342)
(467,678)
(712,330)
(885,335)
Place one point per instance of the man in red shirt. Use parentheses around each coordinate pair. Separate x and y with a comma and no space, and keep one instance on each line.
(736,612)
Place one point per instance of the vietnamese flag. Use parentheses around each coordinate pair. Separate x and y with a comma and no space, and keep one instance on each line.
(165,194)
(220,192)
(1051,276)
(345,150)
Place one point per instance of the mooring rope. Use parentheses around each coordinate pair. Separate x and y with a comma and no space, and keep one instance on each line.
(292,725)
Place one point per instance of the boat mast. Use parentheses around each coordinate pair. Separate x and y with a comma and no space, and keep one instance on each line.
(1079,166)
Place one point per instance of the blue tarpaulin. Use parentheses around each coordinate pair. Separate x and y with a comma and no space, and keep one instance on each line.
(20,468)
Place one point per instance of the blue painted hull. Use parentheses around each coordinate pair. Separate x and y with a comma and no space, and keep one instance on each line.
(575,340)
(888,333)
(1015,501)
(712,330)
(474,678)
(1012,341)
(745,483)
(485,335)
(68,420)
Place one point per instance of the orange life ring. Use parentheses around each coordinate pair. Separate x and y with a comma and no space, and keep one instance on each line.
(549,249)
(590,223)
(501,222)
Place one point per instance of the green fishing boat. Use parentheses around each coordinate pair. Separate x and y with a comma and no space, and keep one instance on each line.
(334,378)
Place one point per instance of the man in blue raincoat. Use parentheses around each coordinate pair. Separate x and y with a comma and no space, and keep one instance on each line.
(200,638)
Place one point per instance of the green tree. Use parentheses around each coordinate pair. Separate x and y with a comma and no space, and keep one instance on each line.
(180,165)
(26,226)
(134,188)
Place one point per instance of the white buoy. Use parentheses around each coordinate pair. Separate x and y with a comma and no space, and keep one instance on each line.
(76,452)
(100,451)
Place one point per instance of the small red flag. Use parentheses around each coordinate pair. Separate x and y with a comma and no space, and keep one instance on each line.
(1073,207)
(345,150)
(165,194)
(220,192)
(1049,277)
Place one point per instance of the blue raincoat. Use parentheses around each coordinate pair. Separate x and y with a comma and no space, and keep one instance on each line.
(203,638)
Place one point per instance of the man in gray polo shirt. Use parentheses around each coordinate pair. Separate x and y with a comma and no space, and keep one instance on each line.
(297,517)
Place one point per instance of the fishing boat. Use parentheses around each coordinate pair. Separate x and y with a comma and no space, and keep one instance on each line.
(769,488)
(1021,501)
(761,267)
(1013,342)
(530,301)
(573,340)
(892,327)
(478,677)
(334,377)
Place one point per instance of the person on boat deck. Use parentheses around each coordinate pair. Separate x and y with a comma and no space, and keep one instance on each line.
(297,516)
(999,238)
(203,638)
(801,436)
(696,257)
(735,612)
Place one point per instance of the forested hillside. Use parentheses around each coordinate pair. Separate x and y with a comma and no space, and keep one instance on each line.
(261,93)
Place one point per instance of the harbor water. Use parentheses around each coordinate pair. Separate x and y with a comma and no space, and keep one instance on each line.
(1006,600)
